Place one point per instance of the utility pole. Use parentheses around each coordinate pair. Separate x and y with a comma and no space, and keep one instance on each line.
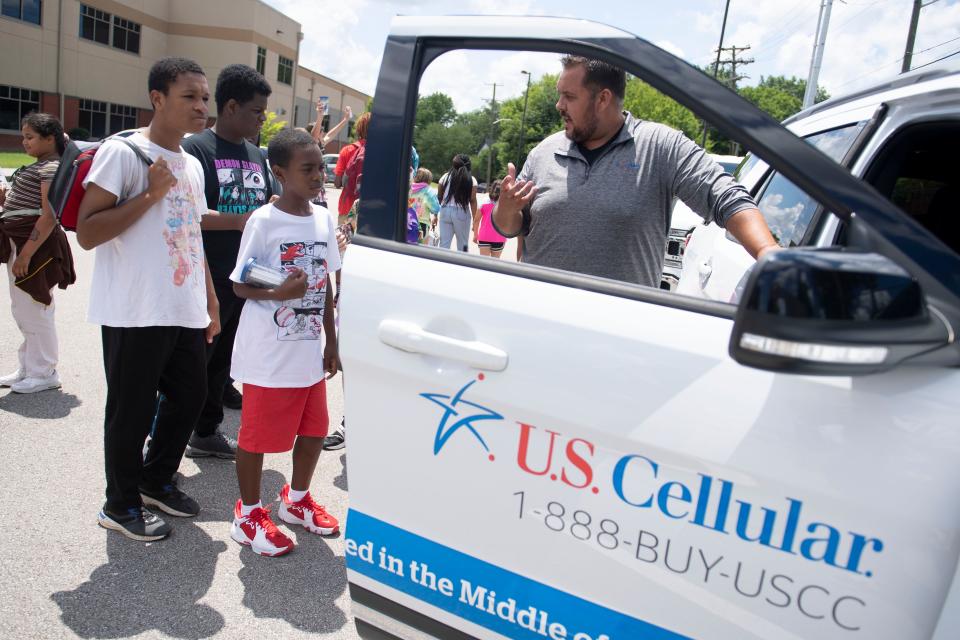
(823,22)
(493,120)
(523,120)
(912,33)
(734,61)
(716,65)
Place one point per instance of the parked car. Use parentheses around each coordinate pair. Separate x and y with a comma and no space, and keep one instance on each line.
(330,160)
(682,223)
(897,136)
(536,453)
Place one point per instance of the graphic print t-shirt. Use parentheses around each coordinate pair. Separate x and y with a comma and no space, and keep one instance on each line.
(280,344)
(235,183)
(152,274)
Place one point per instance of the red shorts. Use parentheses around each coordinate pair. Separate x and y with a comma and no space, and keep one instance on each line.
(272,418)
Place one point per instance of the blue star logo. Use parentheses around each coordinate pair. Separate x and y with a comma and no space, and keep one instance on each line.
(454,410)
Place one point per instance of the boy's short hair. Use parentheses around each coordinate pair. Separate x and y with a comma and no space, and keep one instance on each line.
(241,83)
(281,147)
(423,175)
(164,72)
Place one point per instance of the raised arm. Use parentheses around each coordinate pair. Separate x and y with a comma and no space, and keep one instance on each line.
(515,194)
(347,115)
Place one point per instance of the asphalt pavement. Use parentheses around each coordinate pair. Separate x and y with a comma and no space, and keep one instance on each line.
(62,576)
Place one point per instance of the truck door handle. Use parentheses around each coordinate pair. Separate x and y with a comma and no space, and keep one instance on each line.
(411,338)
(705,270)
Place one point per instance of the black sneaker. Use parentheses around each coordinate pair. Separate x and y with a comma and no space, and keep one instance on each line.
(171,500)
(137,524)
(215,445)
(232,399)
(337,439)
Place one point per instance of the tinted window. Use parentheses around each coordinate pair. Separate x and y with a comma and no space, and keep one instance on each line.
(788,210)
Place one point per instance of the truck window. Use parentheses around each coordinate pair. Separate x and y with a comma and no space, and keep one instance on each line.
(919,171)
(496,107)
(788,210)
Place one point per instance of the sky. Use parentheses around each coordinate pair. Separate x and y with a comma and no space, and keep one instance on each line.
(344,39)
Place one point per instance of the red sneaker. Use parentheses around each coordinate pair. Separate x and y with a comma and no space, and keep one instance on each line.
(258,532)
(307,513)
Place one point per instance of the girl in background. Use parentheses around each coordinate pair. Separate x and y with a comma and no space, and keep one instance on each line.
(37,254)
(458,203)
(490,242)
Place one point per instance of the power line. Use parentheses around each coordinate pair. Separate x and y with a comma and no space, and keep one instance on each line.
(927,64)
(893,62)
(785,28)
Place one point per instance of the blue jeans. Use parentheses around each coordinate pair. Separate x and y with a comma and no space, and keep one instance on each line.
(454,221)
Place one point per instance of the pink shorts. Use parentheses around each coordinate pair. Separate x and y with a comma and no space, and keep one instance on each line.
(272,418)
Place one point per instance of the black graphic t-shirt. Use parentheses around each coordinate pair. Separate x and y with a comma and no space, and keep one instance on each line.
(235,182)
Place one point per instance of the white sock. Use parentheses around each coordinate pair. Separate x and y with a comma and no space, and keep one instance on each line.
(247,509)
(297,496)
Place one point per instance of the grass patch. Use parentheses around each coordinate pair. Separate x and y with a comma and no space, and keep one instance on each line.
(14,159)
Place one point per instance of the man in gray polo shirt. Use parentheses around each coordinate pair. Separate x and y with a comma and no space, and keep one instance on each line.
(608,182)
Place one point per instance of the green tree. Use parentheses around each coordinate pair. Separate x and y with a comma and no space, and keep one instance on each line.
(270,128)
(436,107)
(776,102)
(437,145)
(793,86)
(542,120)
(646,103)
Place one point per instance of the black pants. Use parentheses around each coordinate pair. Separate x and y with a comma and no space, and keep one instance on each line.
(219,355)
(140,362)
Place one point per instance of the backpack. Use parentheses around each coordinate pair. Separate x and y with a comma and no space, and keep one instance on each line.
(354,172)
(66,188)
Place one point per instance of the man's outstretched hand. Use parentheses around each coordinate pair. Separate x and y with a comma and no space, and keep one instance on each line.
(514,196)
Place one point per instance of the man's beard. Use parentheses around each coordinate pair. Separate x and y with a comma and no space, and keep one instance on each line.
(581,134)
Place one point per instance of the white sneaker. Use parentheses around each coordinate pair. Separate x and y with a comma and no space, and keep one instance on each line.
(33,385)
(10,378)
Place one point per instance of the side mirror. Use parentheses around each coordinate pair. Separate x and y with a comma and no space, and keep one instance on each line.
(832,312)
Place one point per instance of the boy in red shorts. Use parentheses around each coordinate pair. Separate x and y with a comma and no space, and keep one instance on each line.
(286,346)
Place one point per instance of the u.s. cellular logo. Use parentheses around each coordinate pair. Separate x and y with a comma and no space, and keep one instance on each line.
(460,414)
(709,502)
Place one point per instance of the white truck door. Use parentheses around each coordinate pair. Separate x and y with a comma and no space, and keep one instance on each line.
(540,454)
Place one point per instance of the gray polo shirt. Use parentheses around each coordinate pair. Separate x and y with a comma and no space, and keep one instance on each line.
(619,208)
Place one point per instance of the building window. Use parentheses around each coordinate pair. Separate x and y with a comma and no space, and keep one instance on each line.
(94,24)
(126,35)
(26,10)
(16,103)
(261,60)
(122,118)
(93,117)
(100,26)
(285,70)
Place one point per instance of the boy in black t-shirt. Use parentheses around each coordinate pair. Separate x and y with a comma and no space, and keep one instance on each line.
(236,182)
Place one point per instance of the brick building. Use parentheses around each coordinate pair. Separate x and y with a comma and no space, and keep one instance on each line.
(87,61)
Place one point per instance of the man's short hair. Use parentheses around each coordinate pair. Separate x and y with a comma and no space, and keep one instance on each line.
(241,83)
(599,75)
(281,147)
(164,72)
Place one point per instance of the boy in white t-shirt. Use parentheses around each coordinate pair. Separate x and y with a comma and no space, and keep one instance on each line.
(286,346)
(153,295)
